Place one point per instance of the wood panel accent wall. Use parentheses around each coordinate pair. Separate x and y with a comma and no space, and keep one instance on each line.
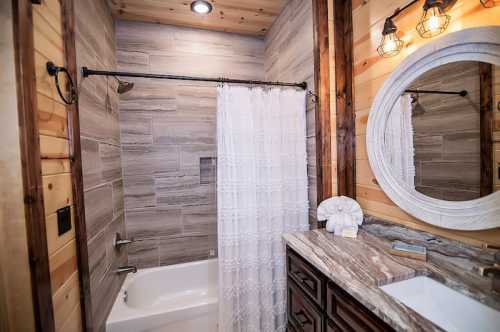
(345,123)
(446,136)
(245,17)
(16,297)
(101,156)
(370,71)
(55,161)
(321,33)
(289,56)
(168,131)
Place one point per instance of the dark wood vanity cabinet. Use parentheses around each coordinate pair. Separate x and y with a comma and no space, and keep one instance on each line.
(316,304)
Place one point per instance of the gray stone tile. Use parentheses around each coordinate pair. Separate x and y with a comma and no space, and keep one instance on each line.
(91,163)
(98,209)
(98,263)
(149,159)
(110,161)
(186,248)
(144,253)
(117,197)
(199,220)
(139,191)
(153,222)
(190,155)
(136,127)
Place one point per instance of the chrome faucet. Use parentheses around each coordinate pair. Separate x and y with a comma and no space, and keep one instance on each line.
(126,269)
(494,271)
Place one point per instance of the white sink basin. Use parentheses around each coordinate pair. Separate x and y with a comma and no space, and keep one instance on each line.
(445,307)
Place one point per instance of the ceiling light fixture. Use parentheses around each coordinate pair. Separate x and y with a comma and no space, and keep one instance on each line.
(201,7)
(434,20)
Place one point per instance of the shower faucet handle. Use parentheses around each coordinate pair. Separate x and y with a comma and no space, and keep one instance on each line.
(119,241)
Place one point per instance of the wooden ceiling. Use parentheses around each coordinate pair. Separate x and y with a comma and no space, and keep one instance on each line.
(251,17)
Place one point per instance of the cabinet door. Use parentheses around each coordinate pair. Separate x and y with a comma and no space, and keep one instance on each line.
(349,314)
(303,316)
(310,280)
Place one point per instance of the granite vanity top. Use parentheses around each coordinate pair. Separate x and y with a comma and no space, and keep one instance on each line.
(361,265)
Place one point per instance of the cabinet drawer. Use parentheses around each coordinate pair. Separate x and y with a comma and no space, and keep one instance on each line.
(303,316)
(310,280)
(350,315)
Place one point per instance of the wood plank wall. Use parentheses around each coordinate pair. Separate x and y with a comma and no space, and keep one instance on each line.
(16,294)
(370,71)
(54,151)
(448,157)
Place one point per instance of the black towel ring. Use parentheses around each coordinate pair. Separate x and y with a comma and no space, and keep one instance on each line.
(54,70)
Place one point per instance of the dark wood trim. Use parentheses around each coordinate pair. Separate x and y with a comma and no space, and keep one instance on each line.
(31,165)
(346,133)
(322,87)
(68,23)
(486,124)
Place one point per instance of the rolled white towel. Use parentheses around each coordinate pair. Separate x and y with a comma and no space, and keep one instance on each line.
(344,215)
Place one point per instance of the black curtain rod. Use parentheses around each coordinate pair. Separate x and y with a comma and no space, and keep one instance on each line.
(90,72)
(462,93)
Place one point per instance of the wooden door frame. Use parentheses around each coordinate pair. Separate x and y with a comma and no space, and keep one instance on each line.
(68,22)
(344,98)
(31,165)
(324,174)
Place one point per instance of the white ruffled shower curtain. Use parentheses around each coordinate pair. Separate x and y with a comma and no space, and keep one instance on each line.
(261,194)
(399,149)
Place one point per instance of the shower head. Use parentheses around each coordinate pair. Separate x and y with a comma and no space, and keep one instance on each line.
(417,108)
(124,86)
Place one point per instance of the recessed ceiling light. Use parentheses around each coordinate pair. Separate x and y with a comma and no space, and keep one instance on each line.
(201,7)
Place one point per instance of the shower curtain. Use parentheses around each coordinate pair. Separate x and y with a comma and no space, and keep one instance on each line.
(399,149)
(261,194)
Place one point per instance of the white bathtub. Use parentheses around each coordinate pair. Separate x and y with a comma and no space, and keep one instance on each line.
(180,297)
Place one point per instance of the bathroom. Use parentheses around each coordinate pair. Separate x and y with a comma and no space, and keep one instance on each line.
(237,165)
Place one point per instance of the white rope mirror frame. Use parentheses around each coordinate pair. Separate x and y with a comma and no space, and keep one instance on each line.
(475,44)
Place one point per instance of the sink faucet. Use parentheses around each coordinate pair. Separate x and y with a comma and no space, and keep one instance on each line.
(126,269)
(494,271)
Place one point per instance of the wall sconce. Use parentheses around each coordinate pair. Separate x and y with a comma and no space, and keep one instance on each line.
(487,3)
(433,21)
(390,45)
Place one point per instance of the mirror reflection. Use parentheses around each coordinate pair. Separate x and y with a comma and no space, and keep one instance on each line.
(439,137)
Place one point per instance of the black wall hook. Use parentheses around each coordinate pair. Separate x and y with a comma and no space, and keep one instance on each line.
(54,70)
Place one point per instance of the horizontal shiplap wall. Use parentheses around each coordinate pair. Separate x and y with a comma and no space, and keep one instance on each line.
(370,72)
(168,131)
(289,57)
(101,155)
(56,175)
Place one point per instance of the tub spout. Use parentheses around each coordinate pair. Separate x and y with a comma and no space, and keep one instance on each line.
(126,269)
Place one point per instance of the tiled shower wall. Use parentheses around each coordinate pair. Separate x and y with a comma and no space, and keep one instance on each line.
(168,132)
(289,57)
(100,141)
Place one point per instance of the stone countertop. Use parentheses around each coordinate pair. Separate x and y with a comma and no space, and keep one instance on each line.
(361,265)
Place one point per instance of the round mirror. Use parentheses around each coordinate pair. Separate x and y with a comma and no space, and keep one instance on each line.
(432,138)
(439,134)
